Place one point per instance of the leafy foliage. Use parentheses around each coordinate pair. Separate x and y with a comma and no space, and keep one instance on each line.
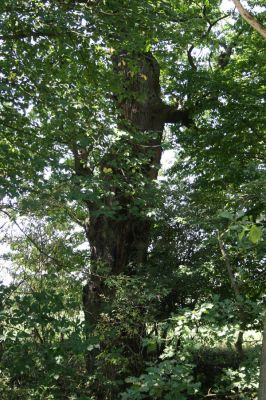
(78,173)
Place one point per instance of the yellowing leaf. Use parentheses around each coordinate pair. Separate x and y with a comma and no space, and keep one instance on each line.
(12,76)
(107,170)
(144,76)
(254,234)
(122,63)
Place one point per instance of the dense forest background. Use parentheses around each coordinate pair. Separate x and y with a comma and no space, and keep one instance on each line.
(131,280)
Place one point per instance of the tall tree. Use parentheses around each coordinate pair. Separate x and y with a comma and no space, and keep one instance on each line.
(88,88)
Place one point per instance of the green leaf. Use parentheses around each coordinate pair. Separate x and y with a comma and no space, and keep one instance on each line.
(241,235)
(226,215)
(254,234)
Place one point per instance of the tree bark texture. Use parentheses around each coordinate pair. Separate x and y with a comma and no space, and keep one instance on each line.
(119,241)
(250,19)
(123,240)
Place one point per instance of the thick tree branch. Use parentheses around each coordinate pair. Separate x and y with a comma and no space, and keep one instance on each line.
(190,58)
(172,115)
(250,19)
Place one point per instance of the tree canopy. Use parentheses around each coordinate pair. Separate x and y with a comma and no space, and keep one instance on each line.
(131,280)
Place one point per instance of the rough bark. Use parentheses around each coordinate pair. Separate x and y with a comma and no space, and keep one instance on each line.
(119,241)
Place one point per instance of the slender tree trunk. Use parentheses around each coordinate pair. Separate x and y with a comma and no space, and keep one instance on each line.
(250,19)
(238,299)
(262,384)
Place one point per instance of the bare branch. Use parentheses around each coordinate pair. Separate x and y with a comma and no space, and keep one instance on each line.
(32,241)
(203,36)
(250,19)
(190,58)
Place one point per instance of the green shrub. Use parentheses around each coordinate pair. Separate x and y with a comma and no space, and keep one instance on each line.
(166,380)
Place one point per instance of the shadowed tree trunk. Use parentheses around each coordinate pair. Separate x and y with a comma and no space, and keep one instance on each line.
(118,241)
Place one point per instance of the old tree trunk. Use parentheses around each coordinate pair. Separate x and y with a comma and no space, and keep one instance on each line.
(122,239)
